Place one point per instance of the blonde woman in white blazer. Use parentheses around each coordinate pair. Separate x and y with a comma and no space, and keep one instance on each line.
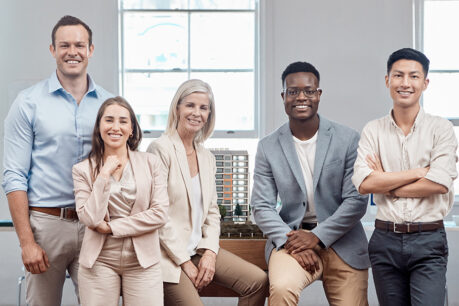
(121,197)
(190,254)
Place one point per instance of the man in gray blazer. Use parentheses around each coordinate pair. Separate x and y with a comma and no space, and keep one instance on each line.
(315,230)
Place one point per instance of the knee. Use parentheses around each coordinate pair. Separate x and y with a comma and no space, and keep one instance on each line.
(284,289)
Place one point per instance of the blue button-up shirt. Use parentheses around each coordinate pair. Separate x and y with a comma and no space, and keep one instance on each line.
(46,133)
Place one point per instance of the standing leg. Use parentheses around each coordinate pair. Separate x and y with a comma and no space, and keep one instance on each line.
(429,257)
(55,237)
(99,286)
(287,278)
(143,286)
(343,285)
(388,265)
(72,267)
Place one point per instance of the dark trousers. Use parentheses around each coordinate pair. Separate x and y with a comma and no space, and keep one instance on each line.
(409,269)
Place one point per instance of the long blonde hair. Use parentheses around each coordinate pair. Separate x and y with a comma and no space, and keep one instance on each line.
(186,89)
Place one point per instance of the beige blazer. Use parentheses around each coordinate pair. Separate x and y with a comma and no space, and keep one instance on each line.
(175,235)
(148,213)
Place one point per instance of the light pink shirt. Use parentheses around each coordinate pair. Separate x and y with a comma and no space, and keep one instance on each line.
(431,142)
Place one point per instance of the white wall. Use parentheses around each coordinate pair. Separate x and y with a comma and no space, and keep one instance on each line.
(348,41)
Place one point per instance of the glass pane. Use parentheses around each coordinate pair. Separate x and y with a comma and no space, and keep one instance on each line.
(222,40)
(155,40)
(234,99)
(441,96)
(155,4)
(150,94)
(441,27)
(222,4)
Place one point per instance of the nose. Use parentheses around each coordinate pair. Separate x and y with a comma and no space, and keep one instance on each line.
(72,50)
(405,81)
(115,125)
(301,96)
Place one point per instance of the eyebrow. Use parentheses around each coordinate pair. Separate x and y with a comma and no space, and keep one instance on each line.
(411,72)
(112,117)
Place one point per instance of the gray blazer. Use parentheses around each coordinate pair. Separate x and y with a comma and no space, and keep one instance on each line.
(339,206)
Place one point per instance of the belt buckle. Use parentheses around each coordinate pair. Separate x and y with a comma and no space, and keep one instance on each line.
(396,231)
(63,213)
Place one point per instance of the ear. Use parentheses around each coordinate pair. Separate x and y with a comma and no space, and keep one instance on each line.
(52,50)
(426,83)
(282,95)
(91,50)
(320,92)
(387,81)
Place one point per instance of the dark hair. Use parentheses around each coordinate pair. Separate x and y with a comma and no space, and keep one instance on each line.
(98,147)
(300,67)
(409,54)
(68,20)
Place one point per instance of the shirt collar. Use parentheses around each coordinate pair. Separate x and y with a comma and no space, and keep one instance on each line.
(419,117)
(55,84)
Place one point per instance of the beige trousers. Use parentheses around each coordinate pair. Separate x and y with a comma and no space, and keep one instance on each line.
(231,271)
(117,267)
(343,285)
(61,239)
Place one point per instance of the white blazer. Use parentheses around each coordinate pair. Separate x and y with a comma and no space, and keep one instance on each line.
(175,235)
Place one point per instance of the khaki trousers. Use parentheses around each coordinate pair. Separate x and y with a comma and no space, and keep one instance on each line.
(117,267)
(231,271)
(343,285)
(61,240)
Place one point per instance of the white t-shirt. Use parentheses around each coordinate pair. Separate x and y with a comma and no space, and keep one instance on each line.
(306,150)
(197,210)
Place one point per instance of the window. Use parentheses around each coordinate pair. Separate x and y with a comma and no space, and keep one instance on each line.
(164,43)
(437,32)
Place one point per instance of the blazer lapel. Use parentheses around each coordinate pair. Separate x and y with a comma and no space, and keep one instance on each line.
(288,147)
(139,177)
(203,172)
(183,163)
(323,142)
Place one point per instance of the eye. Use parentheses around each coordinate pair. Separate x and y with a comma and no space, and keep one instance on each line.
(292,91)
(310,92)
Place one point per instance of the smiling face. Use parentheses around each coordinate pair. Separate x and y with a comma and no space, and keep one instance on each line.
(72,51)
(301,107)
(406,82)
(115,127)
(193,112)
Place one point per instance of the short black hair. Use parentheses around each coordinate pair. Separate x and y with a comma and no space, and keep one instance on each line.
(68,20)
(409,54)
(300,67)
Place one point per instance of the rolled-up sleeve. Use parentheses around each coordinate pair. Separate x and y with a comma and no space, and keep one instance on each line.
(443,157)
(18,144)
(366,147)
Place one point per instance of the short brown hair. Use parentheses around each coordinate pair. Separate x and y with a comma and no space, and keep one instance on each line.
(68,20)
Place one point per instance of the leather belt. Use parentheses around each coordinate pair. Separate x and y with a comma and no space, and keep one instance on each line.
(64,213)
(308,226)
(408,227)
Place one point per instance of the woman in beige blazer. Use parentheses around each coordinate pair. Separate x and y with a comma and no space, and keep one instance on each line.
(121,197)
(190,254)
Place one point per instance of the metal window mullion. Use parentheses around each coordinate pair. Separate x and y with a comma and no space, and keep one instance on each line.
(121,48)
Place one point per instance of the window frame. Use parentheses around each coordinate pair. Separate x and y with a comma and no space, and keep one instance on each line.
(418,41)
(255,132)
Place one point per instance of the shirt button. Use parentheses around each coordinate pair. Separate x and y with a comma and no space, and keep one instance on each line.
(304,203)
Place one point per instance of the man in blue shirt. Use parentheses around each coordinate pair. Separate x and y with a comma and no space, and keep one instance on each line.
(48,129)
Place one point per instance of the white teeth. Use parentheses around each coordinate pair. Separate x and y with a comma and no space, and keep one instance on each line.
(72,62)
(114,136)
(302,106)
